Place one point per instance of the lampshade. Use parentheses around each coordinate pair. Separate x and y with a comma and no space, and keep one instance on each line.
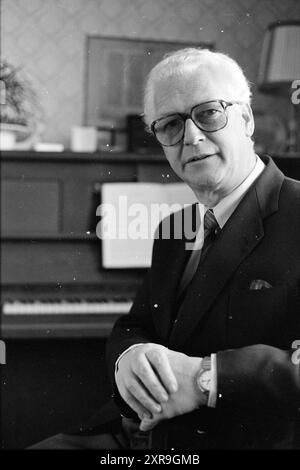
(280,58)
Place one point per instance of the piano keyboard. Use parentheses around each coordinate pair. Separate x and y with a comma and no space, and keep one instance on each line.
(65,307)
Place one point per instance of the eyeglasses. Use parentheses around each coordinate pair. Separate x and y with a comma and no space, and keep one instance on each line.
(210,116)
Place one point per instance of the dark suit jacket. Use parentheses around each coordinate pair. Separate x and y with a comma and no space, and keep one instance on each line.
(251,331)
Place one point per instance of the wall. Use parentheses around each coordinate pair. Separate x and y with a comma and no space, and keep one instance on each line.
(46,38)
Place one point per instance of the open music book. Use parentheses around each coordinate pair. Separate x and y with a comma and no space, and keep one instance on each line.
(130,214)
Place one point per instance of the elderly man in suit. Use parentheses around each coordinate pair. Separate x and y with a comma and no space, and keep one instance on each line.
(205,358)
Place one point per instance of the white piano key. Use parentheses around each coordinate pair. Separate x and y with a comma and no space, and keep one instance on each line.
(65,307)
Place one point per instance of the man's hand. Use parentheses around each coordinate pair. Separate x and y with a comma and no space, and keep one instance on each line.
(187,398)
(145,378)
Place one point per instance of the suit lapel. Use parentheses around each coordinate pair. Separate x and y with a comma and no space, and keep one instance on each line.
(167,276)
(240,235)
(165,287)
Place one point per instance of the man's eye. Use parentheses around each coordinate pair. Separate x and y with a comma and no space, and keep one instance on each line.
(211,111)
(172,125)
(208,113)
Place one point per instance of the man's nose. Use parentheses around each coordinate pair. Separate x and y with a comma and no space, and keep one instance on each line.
(192,133)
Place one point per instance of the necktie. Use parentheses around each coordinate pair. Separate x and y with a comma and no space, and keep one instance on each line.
(211,228)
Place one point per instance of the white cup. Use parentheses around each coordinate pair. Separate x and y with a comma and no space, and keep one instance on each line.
(7,140)
(84,139)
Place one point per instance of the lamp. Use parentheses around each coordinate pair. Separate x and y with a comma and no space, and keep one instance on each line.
(280,67)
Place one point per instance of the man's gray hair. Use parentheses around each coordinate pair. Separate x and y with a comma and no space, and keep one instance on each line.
(190,59)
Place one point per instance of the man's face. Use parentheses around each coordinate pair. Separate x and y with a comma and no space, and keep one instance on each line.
(225,157)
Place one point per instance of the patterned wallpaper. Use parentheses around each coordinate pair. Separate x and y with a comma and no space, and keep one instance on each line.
(47,38)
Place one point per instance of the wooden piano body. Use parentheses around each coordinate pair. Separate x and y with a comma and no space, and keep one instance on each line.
(58,303)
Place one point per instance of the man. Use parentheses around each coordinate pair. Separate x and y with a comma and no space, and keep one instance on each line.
(204,360)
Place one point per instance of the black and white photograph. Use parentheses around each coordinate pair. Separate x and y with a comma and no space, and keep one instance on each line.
(150,229)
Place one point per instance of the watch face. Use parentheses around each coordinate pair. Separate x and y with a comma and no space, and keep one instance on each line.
(205,379)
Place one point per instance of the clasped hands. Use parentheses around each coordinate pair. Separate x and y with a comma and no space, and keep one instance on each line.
(158,383)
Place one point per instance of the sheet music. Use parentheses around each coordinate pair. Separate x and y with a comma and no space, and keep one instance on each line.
(131,213)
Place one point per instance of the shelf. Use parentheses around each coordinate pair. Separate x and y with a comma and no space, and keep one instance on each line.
(107,156)
(100,157)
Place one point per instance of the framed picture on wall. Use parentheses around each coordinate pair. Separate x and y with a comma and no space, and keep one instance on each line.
(116,69)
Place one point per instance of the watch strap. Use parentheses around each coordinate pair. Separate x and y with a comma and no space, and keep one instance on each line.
(206,363)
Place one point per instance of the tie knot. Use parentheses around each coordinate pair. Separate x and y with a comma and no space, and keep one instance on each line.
(210,222)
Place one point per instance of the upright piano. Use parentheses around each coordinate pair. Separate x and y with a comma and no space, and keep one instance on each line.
(53,282)
(58,303)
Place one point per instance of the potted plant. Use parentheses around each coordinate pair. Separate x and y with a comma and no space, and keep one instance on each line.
(20,112)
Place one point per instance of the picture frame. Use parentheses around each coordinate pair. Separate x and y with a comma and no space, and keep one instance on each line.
(116,69)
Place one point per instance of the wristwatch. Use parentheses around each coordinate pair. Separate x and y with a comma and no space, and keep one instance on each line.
(203,379)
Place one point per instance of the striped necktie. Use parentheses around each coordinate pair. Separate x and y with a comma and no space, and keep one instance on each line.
(211,228)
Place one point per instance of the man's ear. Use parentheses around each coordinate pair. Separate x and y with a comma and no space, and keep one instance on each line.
(247,115)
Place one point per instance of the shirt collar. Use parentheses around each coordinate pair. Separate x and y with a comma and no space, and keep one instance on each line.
(229,203)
